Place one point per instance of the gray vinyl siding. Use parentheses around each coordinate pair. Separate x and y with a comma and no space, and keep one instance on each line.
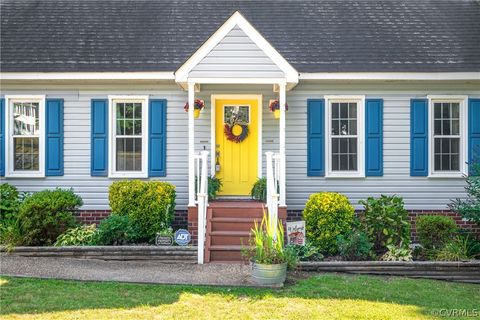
(236,56)
(419,192)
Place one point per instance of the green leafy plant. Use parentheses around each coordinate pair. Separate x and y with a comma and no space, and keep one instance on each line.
(10,233)
(473,243)
(469,208)
(117,230)
(385,221)
(355,245)
(214,185)
(167,232)
(85,235)
(259,190)
(435,231)
(45,215)
(327,215)
(266,244)
(149,204)
(454,250)
(397,253)
(308,252)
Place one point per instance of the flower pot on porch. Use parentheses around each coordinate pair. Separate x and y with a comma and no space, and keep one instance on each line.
(269,274)
(196,113)
(276,114)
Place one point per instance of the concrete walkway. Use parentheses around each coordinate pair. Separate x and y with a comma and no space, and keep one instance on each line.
(126,271)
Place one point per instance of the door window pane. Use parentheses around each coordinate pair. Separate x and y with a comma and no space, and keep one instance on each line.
(239,113)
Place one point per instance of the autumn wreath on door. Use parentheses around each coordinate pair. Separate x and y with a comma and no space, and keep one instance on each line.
(236,123)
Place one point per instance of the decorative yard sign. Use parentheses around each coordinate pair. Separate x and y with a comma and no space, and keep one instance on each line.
(163,240)
(182,237)
(296,232)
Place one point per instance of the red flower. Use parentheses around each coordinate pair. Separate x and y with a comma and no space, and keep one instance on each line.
(275,105)
(199,105)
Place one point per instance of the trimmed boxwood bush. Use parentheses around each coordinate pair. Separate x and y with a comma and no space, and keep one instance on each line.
(149,204)
(435,231)
(327,215)
(44,215)
(386,222)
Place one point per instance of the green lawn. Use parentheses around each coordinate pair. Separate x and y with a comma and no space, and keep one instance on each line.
(319,297)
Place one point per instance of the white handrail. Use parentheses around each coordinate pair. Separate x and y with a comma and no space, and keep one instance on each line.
(273,177)
(201,166)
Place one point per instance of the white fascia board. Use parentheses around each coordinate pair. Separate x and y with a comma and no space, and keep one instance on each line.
(412,76)
(291,75)
(87,76)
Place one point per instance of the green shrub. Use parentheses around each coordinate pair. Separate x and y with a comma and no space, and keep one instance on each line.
(469,208)
(473,243)
(214,185)
(10,233)
(326,216)
(149,205)
(435,231)
(308,252)
(85,235)
(354,245)
(44,215)
(117,230)
(259,190)
(385,221)
(397,253)
(454,250)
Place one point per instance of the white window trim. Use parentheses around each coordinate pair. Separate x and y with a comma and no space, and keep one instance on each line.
(10,172)
(360,100)
(462,100)
(112,173)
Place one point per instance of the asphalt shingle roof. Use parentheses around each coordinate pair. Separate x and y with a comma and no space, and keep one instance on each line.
(314,36)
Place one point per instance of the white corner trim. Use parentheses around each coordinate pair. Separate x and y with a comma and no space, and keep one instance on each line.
(360,99)
(9,171)
(434,76)
(237,19)
(111,143)
(87,76)
(462,100)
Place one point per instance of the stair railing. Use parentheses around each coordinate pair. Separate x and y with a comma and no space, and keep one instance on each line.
(273,178)
(201,169)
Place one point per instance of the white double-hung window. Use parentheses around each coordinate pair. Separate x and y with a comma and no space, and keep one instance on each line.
(345,136)
(25,140)
(448,124)
(128,136)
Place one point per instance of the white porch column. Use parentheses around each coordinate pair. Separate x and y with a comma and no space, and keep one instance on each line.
(191,145)
(282,102)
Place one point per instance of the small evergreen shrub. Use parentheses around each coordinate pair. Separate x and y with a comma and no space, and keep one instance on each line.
(117,230)
(435,231)
(45,215)
(327,215)
(469,208)
(149,205)
(385,221)
(259,190)
(354,245)
(85,235)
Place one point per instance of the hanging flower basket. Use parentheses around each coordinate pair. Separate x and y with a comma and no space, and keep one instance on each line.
(198,106)
(274,107)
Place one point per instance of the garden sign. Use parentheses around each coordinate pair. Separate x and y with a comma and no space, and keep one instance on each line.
(182,237)
(296,232)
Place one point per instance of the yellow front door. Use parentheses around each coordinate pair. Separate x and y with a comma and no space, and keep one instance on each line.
(238,160)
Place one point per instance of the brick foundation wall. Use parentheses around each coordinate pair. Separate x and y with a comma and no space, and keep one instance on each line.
(412,216)
(95,216)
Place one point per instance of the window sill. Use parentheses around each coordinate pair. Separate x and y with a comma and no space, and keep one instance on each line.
(25,175)
(345,176)
(139,175)
(455,175)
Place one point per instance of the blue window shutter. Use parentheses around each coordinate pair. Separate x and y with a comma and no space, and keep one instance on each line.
(2,137)
(473,131)
(419,137)
(374,137)
(99,142)
(54,138)
(316,138)
(157,152)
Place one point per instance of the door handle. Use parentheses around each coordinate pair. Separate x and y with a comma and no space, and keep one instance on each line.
(217,161)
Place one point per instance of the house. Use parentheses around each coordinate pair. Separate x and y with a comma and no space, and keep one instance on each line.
(383,98)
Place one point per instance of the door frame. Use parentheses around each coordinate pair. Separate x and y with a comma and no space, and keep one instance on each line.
(213,107)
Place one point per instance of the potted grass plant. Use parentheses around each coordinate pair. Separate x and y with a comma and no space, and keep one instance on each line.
(267,253)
